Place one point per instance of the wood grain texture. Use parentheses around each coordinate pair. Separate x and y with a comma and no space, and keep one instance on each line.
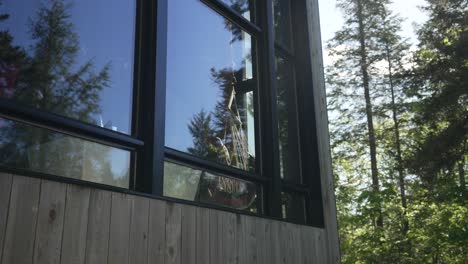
(5,191)
(173,234)
(22,218)
(215,243)
(321,116)
(119,235)
(248,240)
(139,228)
(307,245)
(263,240)
(228,237)
(49,228)
(202,243)
(75,225)
(275,247)
(188,234)
(106,227)
(97,238)
(284,242)
(157,232)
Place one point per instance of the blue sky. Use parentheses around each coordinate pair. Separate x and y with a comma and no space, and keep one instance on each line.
(331,18)
(106,34)
(197,41)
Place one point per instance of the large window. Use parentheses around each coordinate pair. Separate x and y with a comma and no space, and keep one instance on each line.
(200,101)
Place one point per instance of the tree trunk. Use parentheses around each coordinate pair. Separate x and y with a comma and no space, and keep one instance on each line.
(461,175)
(396,127)
(369,113)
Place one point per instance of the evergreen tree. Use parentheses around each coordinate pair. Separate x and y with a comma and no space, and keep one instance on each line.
(356,51)
(364,90)
(439,84)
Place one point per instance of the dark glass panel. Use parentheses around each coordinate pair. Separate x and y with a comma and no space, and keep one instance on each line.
(73,58)
(287,121)
(243,7)
(293,206)
(282,22)
(28,147)
(197,185)
(210,86)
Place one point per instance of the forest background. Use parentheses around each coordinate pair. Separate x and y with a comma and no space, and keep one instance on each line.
(398,118)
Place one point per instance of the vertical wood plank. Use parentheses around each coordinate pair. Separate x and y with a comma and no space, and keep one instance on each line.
(139,230)
(202,243)
(296,244)
(308,245)
(75,225)
(263,241)
(188,234)
(119,235)
(173,234)
(157,232)
(5,191)
(97,238)
(228,237)
(321,247)
(275,250)
(216,244)
(22,219)
(323,137)
(285,242)
(49,226)
(248,240)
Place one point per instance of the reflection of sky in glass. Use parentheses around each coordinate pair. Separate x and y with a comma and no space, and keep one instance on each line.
(106,35)
(197,42)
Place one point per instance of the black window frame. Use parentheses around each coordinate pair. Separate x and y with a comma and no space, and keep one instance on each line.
(147,139)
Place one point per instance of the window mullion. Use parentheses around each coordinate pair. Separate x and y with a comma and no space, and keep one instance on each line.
(157,166)
(269,118)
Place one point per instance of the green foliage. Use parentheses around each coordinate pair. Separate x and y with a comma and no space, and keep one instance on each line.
(420,109)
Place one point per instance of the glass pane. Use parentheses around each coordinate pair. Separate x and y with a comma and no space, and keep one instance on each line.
(73,58)
(27,147)
(293,206)
(282,22)
(210,84)
(287,121)
(197,185)
(243,7)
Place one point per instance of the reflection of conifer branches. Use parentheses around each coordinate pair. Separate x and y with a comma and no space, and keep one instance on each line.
(241,7)
(49,78)
(220,135)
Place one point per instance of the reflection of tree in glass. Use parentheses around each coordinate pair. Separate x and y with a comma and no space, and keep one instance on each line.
(204,140)
(50,79)
(242,7)
(220,136)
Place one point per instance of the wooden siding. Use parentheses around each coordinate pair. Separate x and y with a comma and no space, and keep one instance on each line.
(43,221)
(323,136)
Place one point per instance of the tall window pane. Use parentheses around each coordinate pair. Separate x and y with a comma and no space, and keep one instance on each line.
(73,58)
(287,121)
(31,148)
(210,86)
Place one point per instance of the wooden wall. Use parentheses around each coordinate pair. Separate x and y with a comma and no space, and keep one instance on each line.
(49,222)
